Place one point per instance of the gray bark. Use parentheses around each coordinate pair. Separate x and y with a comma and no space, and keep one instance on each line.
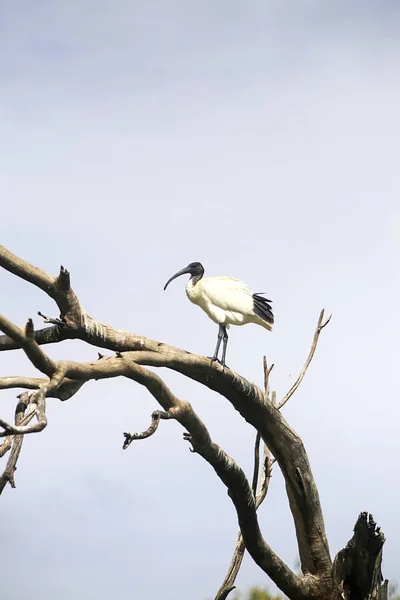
(355,573)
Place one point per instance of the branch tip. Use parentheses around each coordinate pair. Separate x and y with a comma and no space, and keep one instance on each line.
(319,328)
(64,279)
(29,329)
(58,322)
(155,420)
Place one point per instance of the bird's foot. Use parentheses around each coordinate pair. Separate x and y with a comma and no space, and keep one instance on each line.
(214,359)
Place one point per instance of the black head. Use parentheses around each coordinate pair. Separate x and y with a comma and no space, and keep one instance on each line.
(195,269)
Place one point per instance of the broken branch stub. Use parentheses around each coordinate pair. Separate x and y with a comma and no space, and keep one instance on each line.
(132,353)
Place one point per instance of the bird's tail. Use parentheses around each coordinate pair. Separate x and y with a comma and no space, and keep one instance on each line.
(263,310)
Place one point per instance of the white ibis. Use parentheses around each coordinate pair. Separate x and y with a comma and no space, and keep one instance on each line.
(227,301)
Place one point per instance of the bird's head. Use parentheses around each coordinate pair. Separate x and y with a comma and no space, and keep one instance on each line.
(195,269)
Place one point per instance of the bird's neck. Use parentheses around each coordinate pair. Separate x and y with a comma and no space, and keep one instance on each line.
(191,287)
(194,279)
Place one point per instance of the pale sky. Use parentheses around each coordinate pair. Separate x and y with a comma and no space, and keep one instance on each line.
(262,139)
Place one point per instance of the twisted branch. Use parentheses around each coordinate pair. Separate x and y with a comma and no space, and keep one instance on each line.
(156,416)
(253,404)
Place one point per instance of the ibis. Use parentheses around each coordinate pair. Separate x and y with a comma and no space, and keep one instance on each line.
(226,301)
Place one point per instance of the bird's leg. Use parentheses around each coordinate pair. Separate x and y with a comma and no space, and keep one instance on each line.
(219,340)
(225,340)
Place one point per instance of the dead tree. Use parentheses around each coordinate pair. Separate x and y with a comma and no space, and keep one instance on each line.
(355,573)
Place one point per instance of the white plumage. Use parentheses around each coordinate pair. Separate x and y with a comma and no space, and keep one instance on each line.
(226,301)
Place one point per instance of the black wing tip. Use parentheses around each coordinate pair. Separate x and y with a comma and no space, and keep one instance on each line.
(263,309)
(259,296)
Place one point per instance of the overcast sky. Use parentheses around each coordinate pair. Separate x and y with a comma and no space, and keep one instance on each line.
(262,139)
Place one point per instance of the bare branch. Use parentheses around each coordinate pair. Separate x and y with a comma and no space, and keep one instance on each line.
(267,371)
(156,416)
(228,471)
(51,320)
(58,288)
(65,391)
(285,445)
(30,383)
(47,335)
(256,463)
(228,584)
(249,400)
(26,340)
(7,442)
(320,326)
(26,271)
(16,442)
(37,397)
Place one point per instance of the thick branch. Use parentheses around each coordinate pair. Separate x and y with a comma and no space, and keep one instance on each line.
(231,475)
(47,335)
(248,399)
(25,270)
(228,471)
(65,391)
(228,584)
(58,288)
(285,445)
(26,340)
(357,568)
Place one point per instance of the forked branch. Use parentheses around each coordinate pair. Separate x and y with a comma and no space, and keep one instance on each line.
(133,353)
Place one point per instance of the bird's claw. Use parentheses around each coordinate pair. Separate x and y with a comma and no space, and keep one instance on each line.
(214,359)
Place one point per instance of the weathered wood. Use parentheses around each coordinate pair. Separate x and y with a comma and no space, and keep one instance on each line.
(357,568)
(356,571)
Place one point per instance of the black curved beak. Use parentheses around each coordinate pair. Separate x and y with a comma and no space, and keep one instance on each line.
(178,274)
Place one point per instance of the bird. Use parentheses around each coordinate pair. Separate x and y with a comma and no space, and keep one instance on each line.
(227,301)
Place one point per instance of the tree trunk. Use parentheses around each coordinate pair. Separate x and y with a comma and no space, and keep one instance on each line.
(357,568)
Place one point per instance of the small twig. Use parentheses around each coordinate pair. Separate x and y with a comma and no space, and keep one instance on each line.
(256,463)
(266,477)
(156,416)
(320,326)
(266,378)
(51,320)
(27,341)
